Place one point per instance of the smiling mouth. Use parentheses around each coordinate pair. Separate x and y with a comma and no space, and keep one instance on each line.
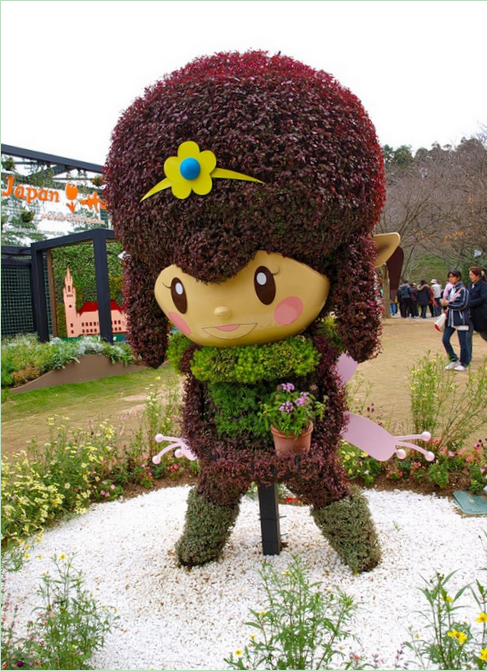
(229,331)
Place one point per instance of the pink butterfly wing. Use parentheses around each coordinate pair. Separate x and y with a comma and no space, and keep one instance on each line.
(346,367)
(369,437)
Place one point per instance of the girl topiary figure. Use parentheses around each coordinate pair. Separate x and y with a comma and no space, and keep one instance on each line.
(260,226)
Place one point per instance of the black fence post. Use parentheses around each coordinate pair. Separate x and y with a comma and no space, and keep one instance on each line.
(270,521)
(103,288)
(41,323)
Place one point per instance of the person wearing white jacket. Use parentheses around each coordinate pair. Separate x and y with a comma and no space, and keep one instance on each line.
(458,319)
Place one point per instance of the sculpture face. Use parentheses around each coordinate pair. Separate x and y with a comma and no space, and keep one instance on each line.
(271,298)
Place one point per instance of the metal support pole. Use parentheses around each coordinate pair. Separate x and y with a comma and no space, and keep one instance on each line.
(270,521)
(103,288)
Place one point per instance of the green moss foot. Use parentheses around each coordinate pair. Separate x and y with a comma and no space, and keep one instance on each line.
(207,529)
(348,526)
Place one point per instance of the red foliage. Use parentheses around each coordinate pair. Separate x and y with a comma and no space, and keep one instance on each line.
(310,142)
(299,131)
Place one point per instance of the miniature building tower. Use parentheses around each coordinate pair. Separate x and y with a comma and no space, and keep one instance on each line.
(86,321)
(69,299)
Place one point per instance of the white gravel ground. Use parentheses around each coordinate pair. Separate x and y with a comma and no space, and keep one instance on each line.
(174,618)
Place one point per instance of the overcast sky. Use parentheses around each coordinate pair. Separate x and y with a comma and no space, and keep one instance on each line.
(69,69)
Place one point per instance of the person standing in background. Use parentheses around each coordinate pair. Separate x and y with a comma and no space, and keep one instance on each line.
(457,320)
(414,306)
(477,300)
(437,291)
(403,298)
(423,298)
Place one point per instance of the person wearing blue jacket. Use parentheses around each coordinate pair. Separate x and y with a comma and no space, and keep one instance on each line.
(458,319)
(477,300)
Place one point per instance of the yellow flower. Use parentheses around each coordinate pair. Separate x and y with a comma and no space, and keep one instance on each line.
(67,485)
(481,617)
(193,170)
(190,170)
(238,653)
(286,572)
(62,557)
(458,635)
(482,655)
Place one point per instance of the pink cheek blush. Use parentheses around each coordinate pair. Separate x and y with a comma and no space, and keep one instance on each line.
(179,322)
(288,311)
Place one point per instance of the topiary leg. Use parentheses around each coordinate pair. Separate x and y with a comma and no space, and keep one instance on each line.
(349,528)
(207,529)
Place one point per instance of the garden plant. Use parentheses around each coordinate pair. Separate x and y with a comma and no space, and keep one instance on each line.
(69,625)
(24,358)
(301,625)
(452,413)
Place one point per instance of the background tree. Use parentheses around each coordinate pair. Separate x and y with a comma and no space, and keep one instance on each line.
(436,200)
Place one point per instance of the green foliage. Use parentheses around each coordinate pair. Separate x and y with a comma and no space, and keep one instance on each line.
(302,625)
(177,346)
(236,408)
(8,367)
(75,467)
(69,626)
(24,357)
(295,356)
(359,464)
(348,527)
(451,415)
(445,641)
(61,476)
(207,529)
(328,327)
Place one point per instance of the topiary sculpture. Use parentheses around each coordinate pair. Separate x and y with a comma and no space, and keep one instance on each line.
(260,226)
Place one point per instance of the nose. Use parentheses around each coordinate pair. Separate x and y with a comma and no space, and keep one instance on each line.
(223,312)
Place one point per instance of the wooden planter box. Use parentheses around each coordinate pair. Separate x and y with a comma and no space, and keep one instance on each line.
(91,367)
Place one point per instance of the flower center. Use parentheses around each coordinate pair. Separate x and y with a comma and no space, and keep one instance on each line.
(189,168)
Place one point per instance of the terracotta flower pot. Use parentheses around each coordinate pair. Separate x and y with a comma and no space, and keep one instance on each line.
(288,446)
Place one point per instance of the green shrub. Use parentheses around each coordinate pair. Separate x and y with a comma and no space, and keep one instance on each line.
(70,625)
(24,358)
(302,625)
(439,405)
(207,529)
(446,642)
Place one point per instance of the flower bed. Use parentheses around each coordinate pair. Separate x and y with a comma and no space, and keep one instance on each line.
(25,360)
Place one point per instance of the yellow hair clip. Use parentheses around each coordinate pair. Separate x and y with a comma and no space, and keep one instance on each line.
(193,170)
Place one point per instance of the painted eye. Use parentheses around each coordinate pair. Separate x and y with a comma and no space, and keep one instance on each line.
(264,285)
(178,294)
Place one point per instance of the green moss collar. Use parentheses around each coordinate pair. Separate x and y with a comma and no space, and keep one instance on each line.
(248,364)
